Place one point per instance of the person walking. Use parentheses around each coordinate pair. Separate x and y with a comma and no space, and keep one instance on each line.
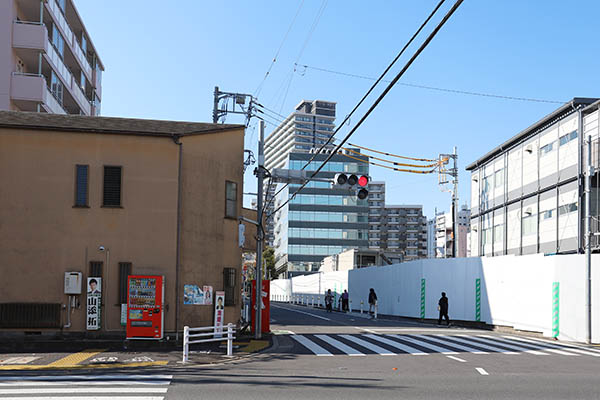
(443,308)
(329,301)
(372,302)
(345,301)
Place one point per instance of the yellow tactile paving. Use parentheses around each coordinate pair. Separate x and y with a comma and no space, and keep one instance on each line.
(86,366)
(75,358)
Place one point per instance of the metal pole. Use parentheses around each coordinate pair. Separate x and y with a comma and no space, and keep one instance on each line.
(588,247)
(454,205)
(216,106)
(259,244)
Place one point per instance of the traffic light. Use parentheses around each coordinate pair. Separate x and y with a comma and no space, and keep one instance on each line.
(352,181)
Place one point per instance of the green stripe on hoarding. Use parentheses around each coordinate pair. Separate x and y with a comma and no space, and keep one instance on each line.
(423,298)
(478,299)
(555,309)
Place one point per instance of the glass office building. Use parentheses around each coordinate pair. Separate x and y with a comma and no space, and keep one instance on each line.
(320,220)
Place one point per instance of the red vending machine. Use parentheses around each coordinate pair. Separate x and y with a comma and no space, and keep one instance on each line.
(265,306)
(145,308)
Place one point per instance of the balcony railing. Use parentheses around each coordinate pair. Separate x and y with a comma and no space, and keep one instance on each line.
(70,37)
(53,104)
(60,66)
(29,35)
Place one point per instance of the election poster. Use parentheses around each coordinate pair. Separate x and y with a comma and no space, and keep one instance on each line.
(93,303)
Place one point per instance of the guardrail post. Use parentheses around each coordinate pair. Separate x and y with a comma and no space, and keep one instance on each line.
(361,306)
(229,340)
(313,301)
(186,346)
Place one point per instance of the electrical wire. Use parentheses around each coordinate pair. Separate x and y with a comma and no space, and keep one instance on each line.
(414,171)
(437,7)
(391,162)
(260,86)
(392,155)
(419,86)
(380,98)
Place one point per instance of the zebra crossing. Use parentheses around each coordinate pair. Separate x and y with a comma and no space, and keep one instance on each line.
(85,387)
(423,345)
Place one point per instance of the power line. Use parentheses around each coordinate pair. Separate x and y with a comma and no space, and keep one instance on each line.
(439,89)
(392,155)
(259,88)
(413,171)
(391,162)
(437,7)
(380,98)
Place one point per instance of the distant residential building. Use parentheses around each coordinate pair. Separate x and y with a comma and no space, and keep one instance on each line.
(48,61)
(527,194)
(444,238)
(397,230)
(308,127)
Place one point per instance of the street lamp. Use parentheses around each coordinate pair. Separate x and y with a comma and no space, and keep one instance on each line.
(103,249)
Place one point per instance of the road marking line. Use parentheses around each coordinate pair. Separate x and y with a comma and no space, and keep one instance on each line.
(368,345)
(421,343)
(512,345)
(457,359)
(18,360)
(339,345)
(513,348)
(483,346)
(124,377)
(310,345)
(365,329)
(553,346)
(482,371)
(456,346)
(83,390)
(75,358)
(400,346)
(302,312)
(80,383)
(85,398)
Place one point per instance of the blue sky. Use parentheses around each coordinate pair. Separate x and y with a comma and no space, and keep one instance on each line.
(163,61)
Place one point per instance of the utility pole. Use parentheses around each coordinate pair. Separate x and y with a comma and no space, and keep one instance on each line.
(443,181)
(259,171)
(237,106)
(454,206)
(588,249)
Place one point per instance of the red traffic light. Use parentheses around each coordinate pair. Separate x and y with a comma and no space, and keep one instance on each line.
(363,180)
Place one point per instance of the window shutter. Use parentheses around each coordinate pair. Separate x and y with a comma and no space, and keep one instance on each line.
(81,185)
(96,269)
(124,272)
(112,187)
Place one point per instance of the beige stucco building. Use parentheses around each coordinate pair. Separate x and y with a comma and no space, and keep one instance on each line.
(160,197)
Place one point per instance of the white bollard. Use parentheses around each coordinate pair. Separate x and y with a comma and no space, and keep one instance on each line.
(350,305)
(375,311)
(186,345)
(313,301)
(229,340)
(361,306)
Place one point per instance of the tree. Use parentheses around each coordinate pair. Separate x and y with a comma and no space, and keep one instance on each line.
(269,259)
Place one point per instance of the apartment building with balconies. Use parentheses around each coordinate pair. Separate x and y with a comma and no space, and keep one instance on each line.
(399,231)
(47,60)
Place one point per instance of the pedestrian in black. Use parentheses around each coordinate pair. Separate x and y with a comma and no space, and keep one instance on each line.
(372,302)
(443,308)
(329,301)
(345,301)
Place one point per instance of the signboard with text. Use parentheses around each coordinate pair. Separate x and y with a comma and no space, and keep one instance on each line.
(93,303)
(219,312)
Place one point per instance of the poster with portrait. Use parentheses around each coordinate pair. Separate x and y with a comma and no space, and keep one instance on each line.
(93,303)
(219,312)
(193,295)
(208,295)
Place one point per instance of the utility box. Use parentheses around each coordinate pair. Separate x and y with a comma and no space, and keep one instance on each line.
(73,282)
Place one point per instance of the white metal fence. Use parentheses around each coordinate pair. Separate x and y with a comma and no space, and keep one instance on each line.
(217,336)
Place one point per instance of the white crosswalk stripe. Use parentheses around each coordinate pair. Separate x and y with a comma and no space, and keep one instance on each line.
(429,346)
(420,344)
(400,346)
(493,349)
(85,387)
(511,347)
(339,345)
